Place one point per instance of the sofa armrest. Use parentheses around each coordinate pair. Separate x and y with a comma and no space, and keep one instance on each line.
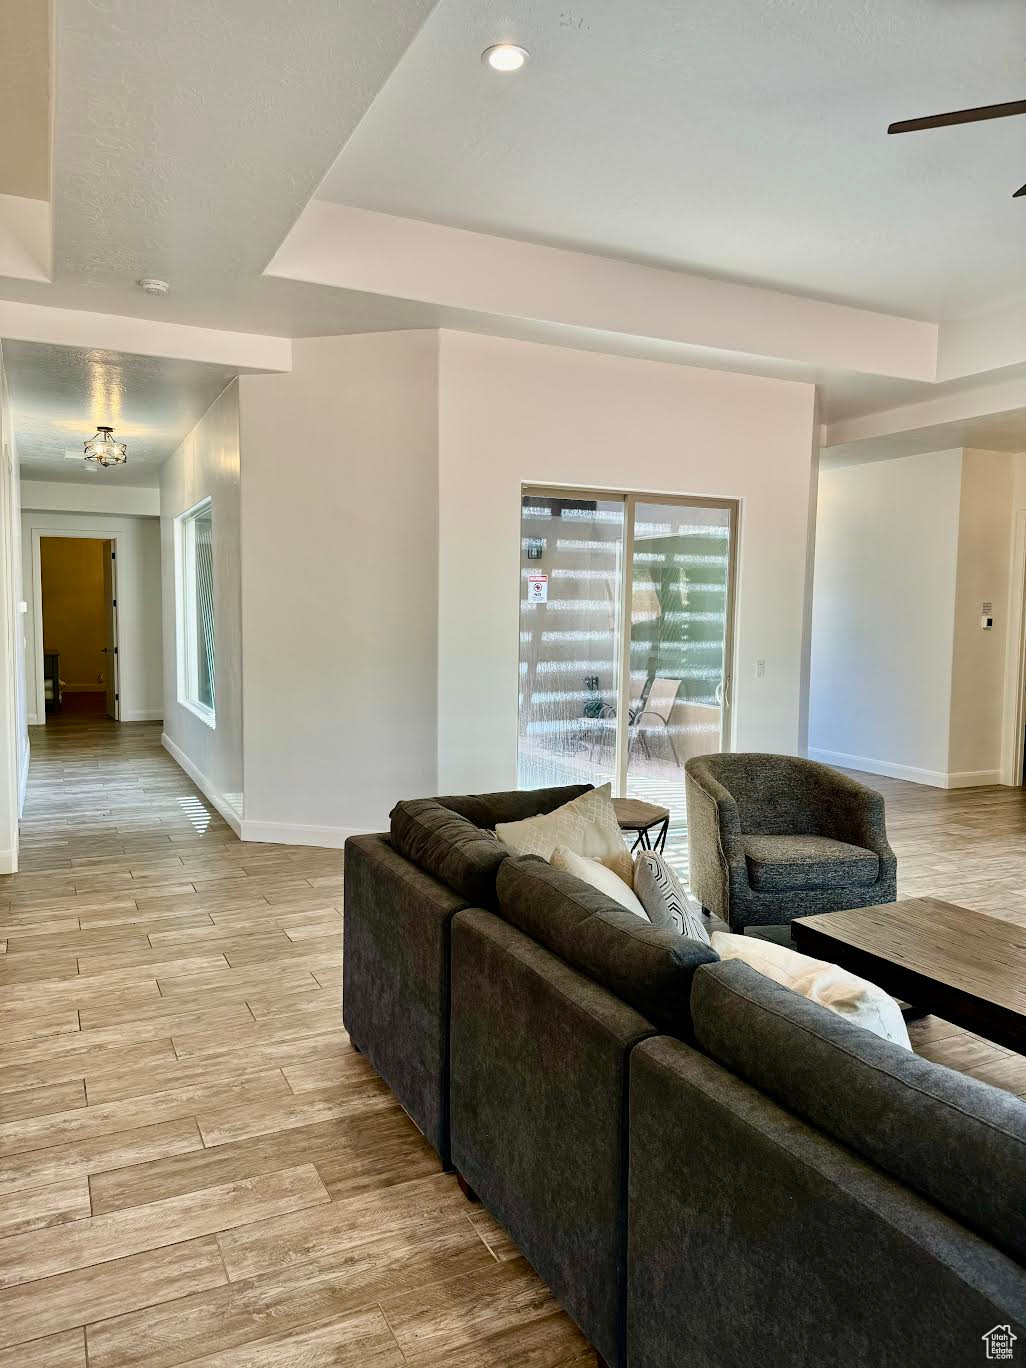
(395,977)
(539,1092)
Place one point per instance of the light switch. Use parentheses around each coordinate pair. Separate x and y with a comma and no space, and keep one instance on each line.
(760,669)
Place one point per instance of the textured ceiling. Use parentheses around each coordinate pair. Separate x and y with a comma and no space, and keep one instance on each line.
(739,139)
(60,395)
(188,137)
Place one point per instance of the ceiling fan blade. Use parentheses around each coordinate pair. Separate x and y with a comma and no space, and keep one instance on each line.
(1020,192)
(959,116)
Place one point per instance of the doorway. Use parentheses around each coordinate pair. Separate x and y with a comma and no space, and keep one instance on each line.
(617,697)
(77,614)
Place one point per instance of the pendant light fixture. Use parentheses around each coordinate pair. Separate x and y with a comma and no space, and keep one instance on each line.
(104,450)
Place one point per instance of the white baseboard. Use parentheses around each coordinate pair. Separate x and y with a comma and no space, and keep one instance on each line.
(8,862)
(202,783)
(974,778)
(295,833)
(23,778)
(934,778)
(142,715)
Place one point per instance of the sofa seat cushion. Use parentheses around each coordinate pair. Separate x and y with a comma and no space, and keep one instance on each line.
(957,1141)
(649,967)
(448,846)
(786,864)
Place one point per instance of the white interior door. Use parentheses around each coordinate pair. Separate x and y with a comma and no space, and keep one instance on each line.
(110,650)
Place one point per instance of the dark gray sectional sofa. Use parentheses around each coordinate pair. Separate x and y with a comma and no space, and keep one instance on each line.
(705,1168)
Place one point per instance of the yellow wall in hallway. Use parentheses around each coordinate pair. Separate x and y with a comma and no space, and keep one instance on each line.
(73,608)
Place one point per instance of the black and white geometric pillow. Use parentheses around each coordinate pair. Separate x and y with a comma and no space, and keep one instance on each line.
(663,897)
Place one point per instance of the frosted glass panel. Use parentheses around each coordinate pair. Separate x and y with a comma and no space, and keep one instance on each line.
(570,587)
(680,583)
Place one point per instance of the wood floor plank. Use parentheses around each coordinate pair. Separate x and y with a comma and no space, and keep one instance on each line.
(131,964)
(69,1126)
(92,1294)
(424,1203)
(45,1100)
(269,1040)
(324,1071)
(28,1025)
(20,969)
(351,1156)
(101,1239)
(66,1350)
(433,1324)
(48,1206)
(360,1340)
(84,1057)
(221,1123)
(313,1293)
(111,1084)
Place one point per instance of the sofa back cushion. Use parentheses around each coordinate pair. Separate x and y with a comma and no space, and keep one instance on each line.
(648,967)
(957,1141)
(441,842)
(486,810)
(453,838)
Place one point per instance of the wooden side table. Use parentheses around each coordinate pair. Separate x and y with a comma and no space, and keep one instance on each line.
(643,819)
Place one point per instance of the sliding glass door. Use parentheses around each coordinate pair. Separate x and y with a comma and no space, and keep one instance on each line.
(611,695)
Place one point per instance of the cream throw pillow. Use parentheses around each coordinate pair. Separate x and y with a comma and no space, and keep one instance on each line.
(598,876)
(587,826)
(860,1002)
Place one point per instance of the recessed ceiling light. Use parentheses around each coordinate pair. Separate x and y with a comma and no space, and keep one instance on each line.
(153,286)
(505,57)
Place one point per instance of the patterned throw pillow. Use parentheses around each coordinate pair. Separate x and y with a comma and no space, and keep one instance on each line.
(587,826)
(663,898)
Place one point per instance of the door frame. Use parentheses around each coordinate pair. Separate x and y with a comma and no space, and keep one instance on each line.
(1013,729)
(631,498)
(38,533)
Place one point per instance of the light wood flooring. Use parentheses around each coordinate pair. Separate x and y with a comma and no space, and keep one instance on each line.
(195,1168)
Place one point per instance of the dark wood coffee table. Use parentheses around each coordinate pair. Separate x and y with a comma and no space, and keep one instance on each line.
(963,966)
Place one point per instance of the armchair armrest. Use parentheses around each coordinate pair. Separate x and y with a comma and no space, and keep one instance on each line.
(856,813)
(716,858)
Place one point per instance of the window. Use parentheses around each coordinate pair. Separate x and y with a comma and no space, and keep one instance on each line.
(196,657)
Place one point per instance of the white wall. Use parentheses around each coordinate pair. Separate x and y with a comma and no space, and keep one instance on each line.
(512,413)
(207,465)
(883,615)
(339,510)
(14,747)
(978,660)
(140,648)
(95,497)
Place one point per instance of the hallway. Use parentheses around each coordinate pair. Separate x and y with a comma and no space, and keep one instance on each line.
(194,1164)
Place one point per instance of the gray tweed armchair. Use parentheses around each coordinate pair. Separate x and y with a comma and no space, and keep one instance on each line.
(774,837)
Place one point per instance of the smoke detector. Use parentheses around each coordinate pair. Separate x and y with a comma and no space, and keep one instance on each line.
(154,286)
